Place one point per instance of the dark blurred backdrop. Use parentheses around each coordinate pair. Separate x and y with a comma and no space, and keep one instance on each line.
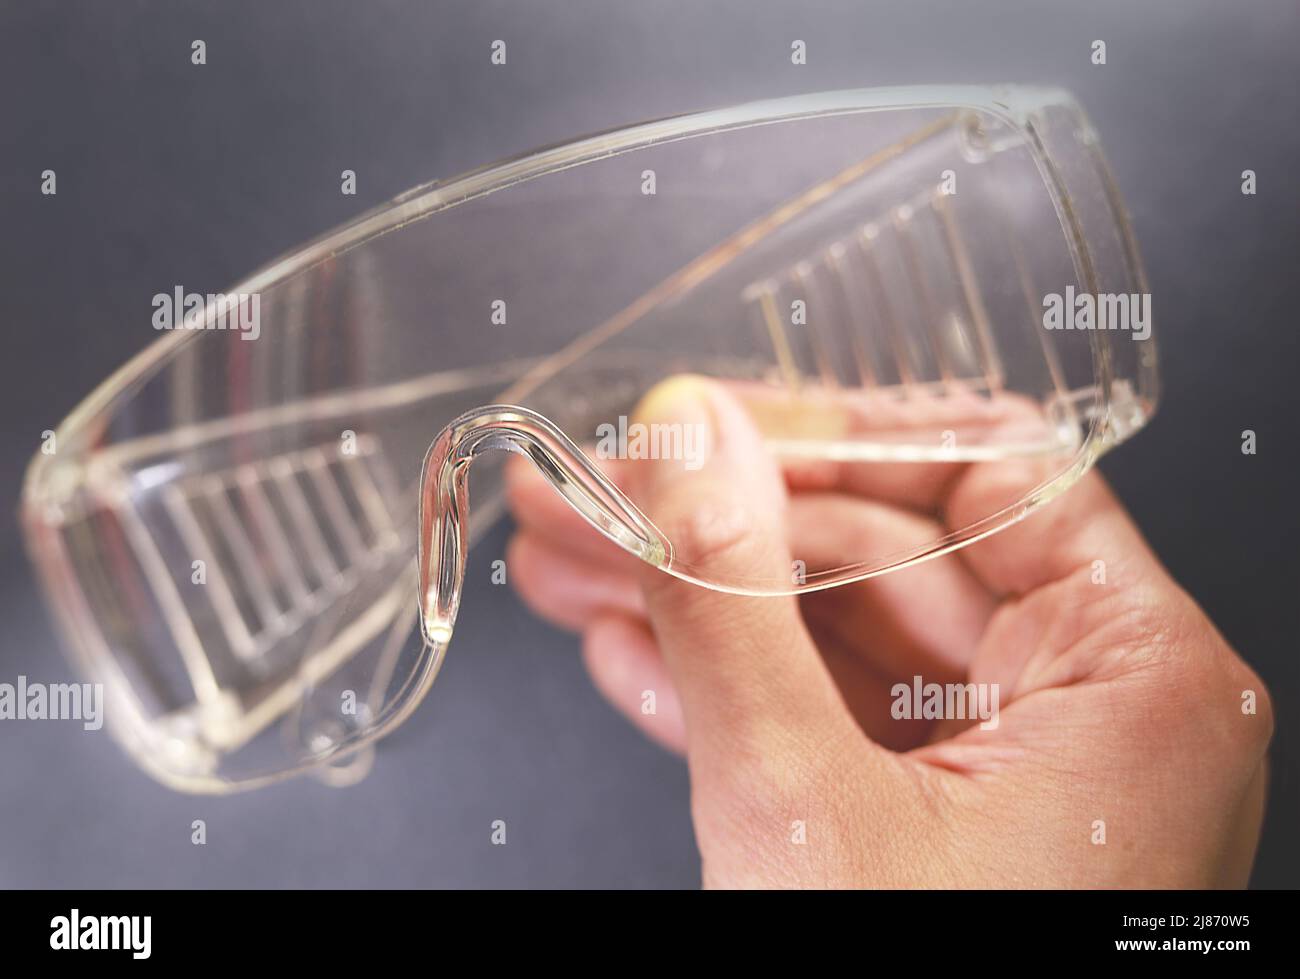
(170,173)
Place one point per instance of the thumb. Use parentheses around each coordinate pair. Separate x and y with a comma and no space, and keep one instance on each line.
(745,668)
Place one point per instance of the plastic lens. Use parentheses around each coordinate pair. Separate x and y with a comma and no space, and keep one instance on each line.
(251,542)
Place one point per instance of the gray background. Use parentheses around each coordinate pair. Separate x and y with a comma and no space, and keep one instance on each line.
(170,173)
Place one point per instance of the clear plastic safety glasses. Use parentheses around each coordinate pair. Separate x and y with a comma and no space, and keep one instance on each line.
(255,537)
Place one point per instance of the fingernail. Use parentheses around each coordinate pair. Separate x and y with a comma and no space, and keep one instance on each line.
(680,418)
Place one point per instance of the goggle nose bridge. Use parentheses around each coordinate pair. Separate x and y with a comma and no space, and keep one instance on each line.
(444,501)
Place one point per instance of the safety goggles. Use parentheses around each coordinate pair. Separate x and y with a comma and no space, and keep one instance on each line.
(254,534)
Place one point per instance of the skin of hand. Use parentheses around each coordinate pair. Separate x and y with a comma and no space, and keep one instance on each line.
(1122,756)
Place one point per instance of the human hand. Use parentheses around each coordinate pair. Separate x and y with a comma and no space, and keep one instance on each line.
(1121,707)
